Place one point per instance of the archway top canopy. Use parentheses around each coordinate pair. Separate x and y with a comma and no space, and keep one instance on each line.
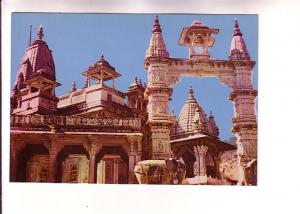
(198,33)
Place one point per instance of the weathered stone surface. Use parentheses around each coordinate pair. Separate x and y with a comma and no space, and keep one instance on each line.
(228,166)
(137,124)
(160,172)
(232,171)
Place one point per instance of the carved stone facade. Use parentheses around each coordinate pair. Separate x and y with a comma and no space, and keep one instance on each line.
(195,142)
(236,73)
(89,135)
(97,134)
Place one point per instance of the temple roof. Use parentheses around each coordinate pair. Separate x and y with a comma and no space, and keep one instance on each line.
(37,60)
(101,70)
(192,119)
(136,85)
(238,49)
(198,30)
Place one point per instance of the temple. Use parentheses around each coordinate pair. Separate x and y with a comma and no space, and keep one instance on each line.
(195,141)
(97,133)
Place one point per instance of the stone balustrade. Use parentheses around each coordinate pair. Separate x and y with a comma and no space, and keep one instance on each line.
(19,121)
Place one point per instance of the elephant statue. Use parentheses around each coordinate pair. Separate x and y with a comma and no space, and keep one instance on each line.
(159,172)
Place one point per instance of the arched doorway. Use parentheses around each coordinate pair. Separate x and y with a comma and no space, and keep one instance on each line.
(73,165)
(189,159)
(33,164)
(112,165)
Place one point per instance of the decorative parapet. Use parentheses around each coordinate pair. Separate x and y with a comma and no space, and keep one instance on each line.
(78,123)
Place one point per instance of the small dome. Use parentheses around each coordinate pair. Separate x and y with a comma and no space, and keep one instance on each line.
(105,63)
(198,24)
(102,62)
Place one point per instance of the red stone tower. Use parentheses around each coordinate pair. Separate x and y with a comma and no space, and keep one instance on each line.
(34,89)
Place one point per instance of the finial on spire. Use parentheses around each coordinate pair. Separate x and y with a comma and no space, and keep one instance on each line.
(191,93)
(135,80)
(140,81)
(102,55)
(30,32)
(237,31)
(74,86)
(238,50)
(40,33)
(191,90)
(156,26)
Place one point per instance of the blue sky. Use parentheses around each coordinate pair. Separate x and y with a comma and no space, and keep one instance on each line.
(77,40)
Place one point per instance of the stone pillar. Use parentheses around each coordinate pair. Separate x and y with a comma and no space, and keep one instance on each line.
(52,167)
(138,156)
(197,162)
(202,154)
(131,164)
(135,154)
(244,120)
(159,92)
(116,171)
(14,164)
(92,164)
(130,169)
(200,165)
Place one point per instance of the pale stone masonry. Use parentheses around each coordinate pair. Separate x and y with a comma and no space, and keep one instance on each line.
(236,73)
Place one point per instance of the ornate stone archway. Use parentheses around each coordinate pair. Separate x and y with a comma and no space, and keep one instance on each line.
(235,72)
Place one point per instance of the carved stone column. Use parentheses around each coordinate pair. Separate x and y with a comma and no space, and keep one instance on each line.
(202,155)
(116,171)
(200,165)
(131,164)
(92,163)
(134,155)
(52,167)
(244,120)
(197,162)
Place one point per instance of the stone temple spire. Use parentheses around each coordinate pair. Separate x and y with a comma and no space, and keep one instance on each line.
(36,76)
(157,47)
(238,50)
